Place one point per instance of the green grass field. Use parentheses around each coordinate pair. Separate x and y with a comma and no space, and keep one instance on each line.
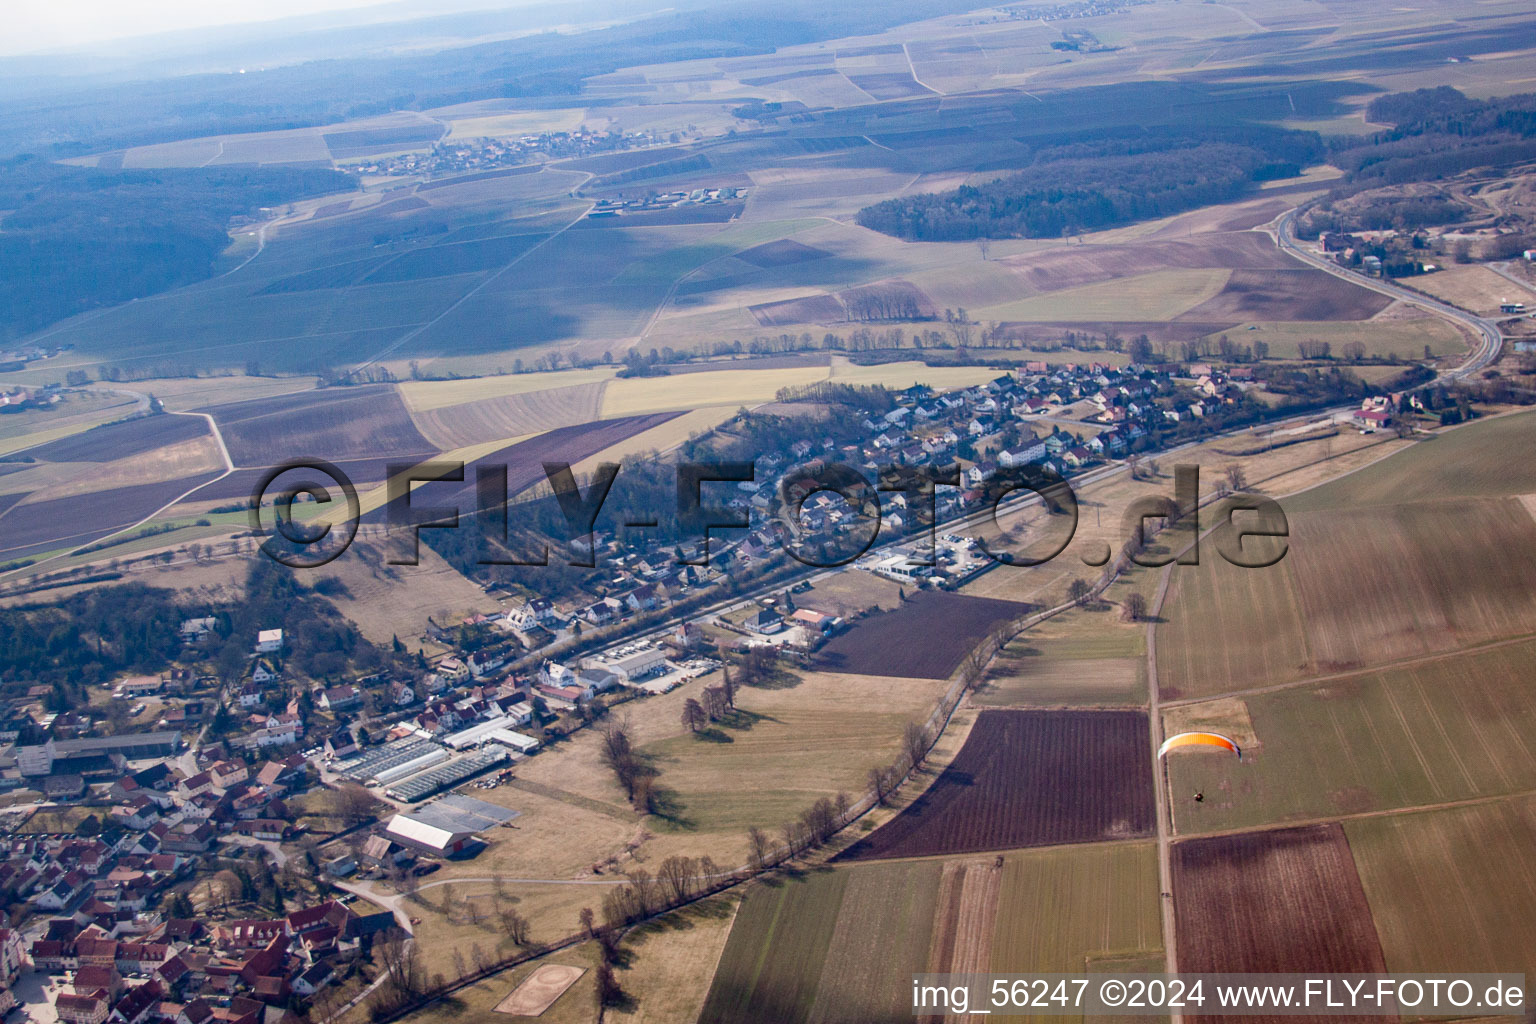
(1450,728)
(895,903)
(773,961)
(1358,588)
(1401,339)
(811,740)
(841,945)
(1035,676)
(1471,461)
(1451,889)
(1061,908)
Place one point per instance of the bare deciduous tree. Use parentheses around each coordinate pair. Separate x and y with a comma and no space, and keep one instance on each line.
(728,685)
(1236,477)
(400,963)
(353,803)
(1135,606)
(880,781)
(715,704)
(914,742)
(759,847)
(676,875)
(619,755)
(515,925)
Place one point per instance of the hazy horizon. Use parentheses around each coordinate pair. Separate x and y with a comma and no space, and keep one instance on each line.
(74,26)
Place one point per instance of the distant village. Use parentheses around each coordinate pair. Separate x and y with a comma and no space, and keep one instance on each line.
(456,156)
(652,200)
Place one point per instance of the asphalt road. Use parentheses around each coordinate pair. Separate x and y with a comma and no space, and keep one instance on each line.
(1491,340)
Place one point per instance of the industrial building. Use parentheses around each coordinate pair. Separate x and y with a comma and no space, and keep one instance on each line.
(446,827)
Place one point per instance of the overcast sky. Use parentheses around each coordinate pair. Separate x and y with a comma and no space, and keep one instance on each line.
(33,25)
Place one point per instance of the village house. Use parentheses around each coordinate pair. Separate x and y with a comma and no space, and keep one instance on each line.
(763,620)
(228,774)
(277,731)
(344,697)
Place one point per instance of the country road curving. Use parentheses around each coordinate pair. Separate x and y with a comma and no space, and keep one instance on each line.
(1492,341)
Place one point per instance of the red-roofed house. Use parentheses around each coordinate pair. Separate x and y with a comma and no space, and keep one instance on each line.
(138,1004)
(74,1009)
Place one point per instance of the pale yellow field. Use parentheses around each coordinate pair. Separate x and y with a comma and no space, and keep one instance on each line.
(711,387)
(1403,338)
(1159,295)
(1320,173)
(53,433)
(425,395)
(516,122)
(387,601)
(200,392)
(78,411)
(905,374)
(660,439)
(791,746)
(674,959)
(1472,287)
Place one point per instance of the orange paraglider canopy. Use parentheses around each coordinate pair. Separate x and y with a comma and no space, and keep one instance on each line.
(1199,739)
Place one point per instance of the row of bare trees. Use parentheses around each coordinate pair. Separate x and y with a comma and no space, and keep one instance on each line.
(634,772)
(717,704)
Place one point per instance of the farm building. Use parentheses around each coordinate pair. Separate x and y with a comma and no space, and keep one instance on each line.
(424,759)
(1372,419)
(815,620)
(410,830)
(446,827)
(420,787)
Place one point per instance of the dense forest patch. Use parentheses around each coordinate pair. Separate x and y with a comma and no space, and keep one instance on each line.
(75,239)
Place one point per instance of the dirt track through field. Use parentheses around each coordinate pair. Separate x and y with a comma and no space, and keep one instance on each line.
(964,919)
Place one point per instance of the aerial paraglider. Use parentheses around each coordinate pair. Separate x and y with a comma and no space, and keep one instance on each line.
(1199,739)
